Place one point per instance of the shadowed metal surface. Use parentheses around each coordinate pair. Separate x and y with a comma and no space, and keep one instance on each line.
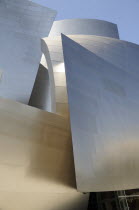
(84,26)
(40,97)
(36,160)
(22,24)
(104,113)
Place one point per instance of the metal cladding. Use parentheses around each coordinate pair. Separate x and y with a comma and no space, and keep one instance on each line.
(40,93)
(120,53)
(23,24)
(103,100)
(52,49)
(99,92)
(84,26)
(36,160)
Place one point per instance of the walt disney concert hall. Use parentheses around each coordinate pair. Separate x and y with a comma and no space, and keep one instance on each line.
(69,112)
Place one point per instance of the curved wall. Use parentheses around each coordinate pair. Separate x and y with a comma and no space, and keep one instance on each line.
(56,68)
(84,26)
(104,115)
(40,97)
(36,160)
(120,53)
(22,25)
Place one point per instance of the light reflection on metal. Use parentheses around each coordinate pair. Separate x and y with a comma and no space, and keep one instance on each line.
(23,23)
(52,48)
(103,100)
(84,26)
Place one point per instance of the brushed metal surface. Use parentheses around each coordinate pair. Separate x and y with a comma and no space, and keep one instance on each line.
(53,59)
(84,26)
(120,53)
(104,113)
(36,160)
(40,97)
(23,23)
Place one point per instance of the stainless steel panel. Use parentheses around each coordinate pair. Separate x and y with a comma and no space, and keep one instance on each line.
(84,26)
(120,53)
(22,24)
(40,96)
(36,160)
(104,113)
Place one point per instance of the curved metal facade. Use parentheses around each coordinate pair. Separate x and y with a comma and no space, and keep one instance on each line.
(120,53)
(93,133)
(103,99)
(52,49)
(23,24)
(36,160)
(84,26)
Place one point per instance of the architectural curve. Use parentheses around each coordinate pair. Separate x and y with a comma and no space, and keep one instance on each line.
(120,53)
(84,27)
(104,116)
(23,24)
(40,97)
(58,92)
(36,160)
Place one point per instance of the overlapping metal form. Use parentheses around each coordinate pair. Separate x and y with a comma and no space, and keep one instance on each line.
(103,99)
(84,27)
(113,54)
(99,92)
(52,49)
(22,24)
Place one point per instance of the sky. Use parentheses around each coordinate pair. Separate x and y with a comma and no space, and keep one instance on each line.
(125,13)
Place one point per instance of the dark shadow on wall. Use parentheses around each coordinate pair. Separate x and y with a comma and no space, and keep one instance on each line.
(40,96)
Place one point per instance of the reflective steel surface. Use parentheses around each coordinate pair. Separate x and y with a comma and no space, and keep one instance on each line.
(36,160)
(103,100)
(120,53)
(22,24)
(52,49)
(84,26)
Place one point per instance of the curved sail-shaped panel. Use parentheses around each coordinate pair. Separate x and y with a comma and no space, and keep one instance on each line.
(104,113)
(36,160)
(120,53)
(22,24)
(54,60)
(84,26)
(43,92)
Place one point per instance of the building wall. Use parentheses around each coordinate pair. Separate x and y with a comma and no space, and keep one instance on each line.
(120,53)
(52,49)
(23,24)
(103,99)
(84,27)
(36,160)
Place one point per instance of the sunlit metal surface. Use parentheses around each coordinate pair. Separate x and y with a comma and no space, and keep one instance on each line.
(104,112)
(84,26)
(36,160)
(120,53)
(52,49)
(22,24)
